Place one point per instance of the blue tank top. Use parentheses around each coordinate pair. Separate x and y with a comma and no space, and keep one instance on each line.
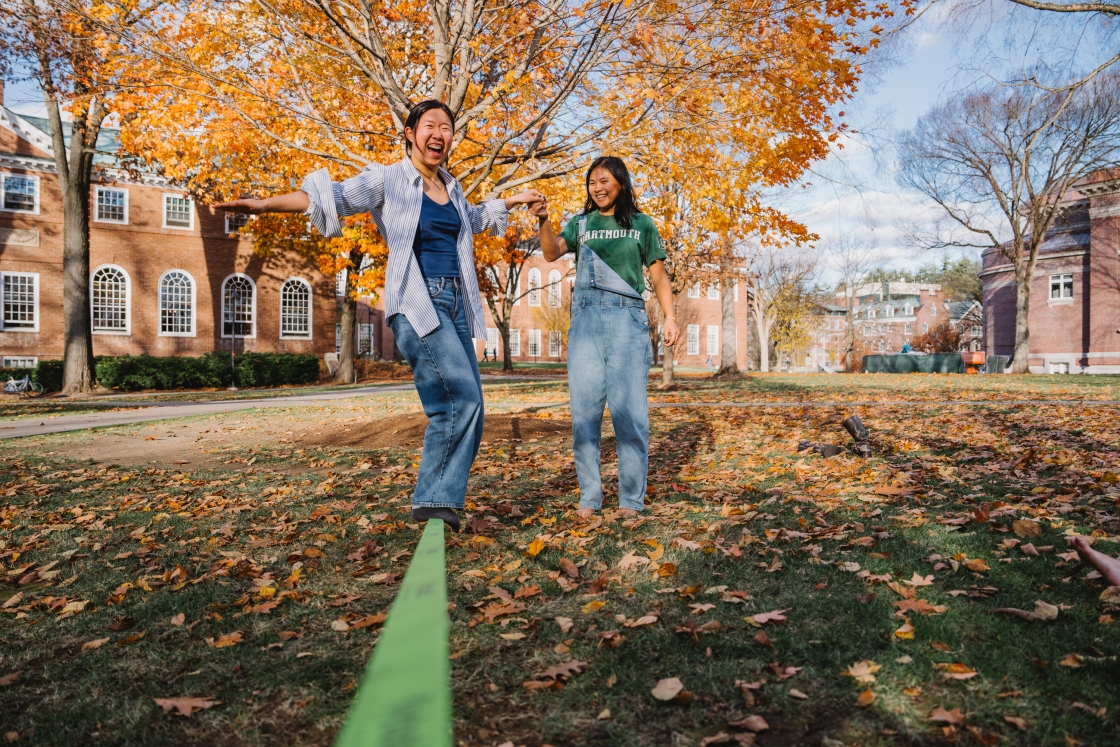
(437,239)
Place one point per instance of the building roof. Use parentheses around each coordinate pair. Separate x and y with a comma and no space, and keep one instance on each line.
(108,140)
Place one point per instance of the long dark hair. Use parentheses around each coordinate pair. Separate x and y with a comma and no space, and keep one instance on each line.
(624,205)
(419,110)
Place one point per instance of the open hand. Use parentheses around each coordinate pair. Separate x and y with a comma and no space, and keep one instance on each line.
(252,207)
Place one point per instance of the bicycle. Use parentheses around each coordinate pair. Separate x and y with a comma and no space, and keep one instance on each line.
(24,387)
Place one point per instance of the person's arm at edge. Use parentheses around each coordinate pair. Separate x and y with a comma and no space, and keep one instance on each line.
(292,202)
(663,289)
(552,246)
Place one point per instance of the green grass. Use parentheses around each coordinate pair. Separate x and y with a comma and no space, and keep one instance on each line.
(719,478)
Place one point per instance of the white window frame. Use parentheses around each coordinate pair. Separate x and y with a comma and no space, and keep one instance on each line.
(735,297)
(35,290)
(534,294)
(889,311)
(933,309)
(694,291)
(1061,283)
(908,328)
(908,310)
(222,307)
(310,309)
(163,206)
(38,193)
(194,305)
(127,331)
(692,339)
(492,340)
(713,291)
(8,361)
(555,344)
(711,342)
(515,343)
(230,230)
(535,343)
(555,290)
(871,313)
(97,190)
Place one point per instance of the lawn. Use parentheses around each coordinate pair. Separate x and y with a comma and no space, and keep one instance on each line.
(843,601)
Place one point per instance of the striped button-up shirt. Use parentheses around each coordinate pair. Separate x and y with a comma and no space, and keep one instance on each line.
(392,195)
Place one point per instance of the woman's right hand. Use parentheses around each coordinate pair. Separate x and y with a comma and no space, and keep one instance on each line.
(251,207)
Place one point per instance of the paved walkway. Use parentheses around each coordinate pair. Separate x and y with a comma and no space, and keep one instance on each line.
(149,411)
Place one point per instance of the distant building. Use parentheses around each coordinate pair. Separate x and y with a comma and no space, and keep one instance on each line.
(1074,313)
(887,316)
(166,278)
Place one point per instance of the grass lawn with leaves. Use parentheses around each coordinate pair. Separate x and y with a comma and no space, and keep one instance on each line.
(836,601)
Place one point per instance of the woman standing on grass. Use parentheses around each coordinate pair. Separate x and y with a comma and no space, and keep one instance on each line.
(431,291)
(609,352)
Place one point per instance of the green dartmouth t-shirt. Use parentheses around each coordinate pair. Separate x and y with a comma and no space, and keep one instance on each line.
(626,252)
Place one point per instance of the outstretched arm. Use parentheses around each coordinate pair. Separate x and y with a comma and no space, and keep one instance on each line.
(293,202)
(552,246)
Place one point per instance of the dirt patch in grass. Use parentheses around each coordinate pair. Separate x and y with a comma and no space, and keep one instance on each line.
(403,431)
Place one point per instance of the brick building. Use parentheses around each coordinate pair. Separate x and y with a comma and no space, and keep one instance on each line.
(165,276)
(1074,314)
(889,315)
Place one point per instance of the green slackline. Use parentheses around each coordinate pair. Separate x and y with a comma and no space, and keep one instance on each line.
(405,696)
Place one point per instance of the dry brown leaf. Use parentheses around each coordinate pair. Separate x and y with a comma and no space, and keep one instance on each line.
(941,715)
(865,699)
(1024,528)
(94,644)
(185,706)
(1016,721)
(667,689)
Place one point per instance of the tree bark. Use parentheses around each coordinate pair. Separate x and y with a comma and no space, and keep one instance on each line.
(763,328)
(1021,364)
(503,332)
(667,379)
(346,318)
(729,342)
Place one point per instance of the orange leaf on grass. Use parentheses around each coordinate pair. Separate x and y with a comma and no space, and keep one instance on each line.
(954,716)
(865,699)
(185,706)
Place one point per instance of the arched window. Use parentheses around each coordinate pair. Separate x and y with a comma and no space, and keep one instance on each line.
(554,289)
(295,309)
(176,304)
(239,305)
(109,296)
(534,287)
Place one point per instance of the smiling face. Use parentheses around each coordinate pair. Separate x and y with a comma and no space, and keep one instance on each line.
(603,189)
(432,138)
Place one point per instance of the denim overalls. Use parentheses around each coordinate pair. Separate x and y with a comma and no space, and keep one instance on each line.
(609,355)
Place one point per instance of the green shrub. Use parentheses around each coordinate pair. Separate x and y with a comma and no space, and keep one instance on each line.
(48,374)
(130,373)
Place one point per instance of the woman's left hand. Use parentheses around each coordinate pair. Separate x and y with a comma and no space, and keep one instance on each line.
(669,332)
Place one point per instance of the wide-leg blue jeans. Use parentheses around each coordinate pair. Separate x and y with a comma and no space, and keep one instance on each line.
(609,356)
(445,370)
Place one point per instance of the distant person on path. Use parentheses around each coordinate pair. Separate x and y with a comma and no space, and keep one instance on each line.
(432,300)
(711,365)
(609,351)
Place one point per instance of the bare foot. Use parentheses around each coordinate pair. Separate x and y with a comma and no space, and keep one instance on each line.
(585,513)
(628,512)
(1109,567)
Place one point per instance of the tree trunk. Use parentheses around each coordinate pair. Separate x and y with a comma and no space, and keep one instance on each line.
(346,319)
(503,332)
(729,342)
(77,365)
(1021,365)
(667,380)
(763,330)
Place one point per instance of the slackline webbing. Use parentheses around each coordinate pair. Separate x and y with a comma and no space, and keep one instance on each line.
(405,696)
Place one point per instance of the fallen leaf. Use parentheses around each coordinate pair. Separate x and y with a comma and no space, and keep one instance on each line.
(763,640)
(720,738)
(954,716)
(667,689)
(565,670)
(129,640)
(956,671)
(631,561)
(612,681)
(185,706)
(10,678)
(699,608)
(229,640)
(94,644)
(1029,549)
(918,580)
(1016,721)
(524,592)
(287,635)
(604,714)
(570,569)
(865,699)
(340,625)
(665,570)
(1111,594)
(863,671)
(1072,661)
(905,632)
(643,620)
(592,607)
(178,619)
(773,616)
(751,723)
(1023,528)
(795,693)
(565,624)
(978,564)
(1042,611)
(515,636)
(535,548)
